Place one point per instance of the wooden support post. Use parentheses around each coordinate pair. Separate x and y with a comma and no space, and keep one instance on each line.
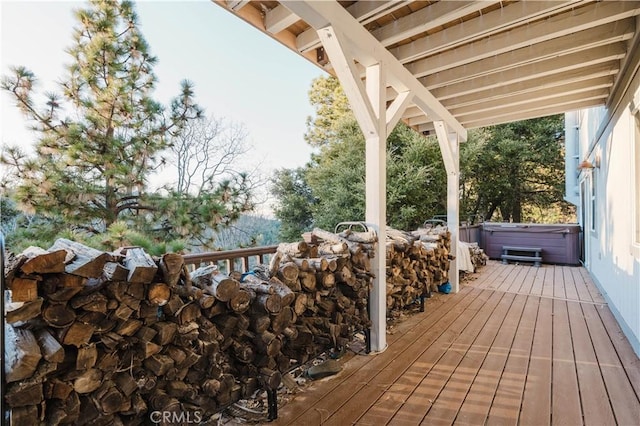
(376,204)
(451,155)
(368,102)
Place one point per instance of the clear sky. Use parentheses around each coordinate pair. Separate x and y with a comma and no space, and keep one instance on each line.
(239,73)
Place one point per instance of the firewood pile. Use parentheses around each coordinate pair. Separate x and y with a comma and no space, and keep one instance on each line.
(106,338)
(478,256)
(417,262)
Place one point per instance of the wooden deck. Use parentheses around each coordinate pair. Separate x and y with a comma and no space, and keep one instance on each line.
(517,345)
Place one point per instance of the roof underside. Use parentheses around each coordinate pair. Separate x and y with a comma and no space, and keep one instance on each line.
(486,62)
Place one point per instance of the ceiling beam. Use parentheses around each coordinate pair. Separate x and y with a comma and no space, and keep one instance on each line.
(551,66)
(607,69)
(541,112)
(425,19)
(525,102)
(513,98)
(533,92)
(363,11)
(512,15)
(278,19)
(594,37)
(428,128)
(368,51)
(576,20)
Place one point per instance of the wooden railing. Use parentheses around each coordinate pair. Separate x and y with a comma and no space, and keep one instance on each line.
(231,260)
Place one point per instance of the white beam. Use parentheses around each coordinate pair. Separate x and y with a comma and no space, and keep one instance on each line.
(363,11)
(278,19)
(425,19)
(594,74)
(599,36)
(397,109)
(536,32)
(520,115)
(580,89)
(573,61)
(368,51)
(509,16)
(531,91)
(376,203)
(479,113)
(453,198)
(337,48)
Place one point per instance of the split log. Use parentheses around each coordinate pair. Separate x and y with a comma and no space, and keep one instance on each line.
(214,283)
(296,249)
(240,301)
(87,357)
(288,272)
(78,334)
(88,381)
(21,354)
(40,261)
(171,266)
(25,312)
(23,289)
(58,315)
(51,349)
(142,268)
(114,271)
(24,393)
(87,262)
(159,293)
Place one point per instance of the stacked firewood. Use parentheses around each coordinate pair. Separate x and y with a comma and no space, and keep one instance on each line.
(330,275)
(104,338)
(478,256)
(417,262)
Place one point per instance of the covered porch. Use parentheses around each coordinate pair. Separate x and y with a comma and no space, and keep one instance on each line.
(516,345)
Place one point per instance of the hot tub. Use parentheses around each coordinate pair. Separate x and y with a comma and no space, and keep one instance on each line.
(560,243)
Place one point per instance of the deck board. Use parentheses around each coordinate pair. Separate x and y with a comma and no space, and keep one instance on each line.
(536,403)
(517,345)
(467,356)
(504,407)
(595,403)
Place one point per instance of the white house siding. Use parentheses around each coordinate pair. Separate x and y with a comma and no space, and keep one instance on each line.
(608,139)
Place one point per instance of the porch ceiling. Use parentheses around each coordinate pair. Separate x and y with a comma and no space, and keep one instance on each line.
(484,62)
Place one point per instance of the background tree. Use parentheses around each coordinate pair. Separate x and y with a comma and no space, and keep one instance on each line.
(295,202)
(331,107)
(102,138)
(211,189)
(510,172)
(515,172)
(330,189)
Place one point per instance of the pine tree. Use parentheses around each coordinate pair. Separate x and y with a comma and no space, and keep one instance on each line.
(103,135)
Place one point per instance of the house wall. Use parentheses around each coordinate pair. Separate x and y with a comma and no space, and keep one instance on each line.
(609,206)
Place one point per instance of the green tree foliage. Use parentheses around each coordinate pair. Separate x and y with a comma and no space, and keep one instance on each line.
(510,172)
(102,138)
(331,108)
(295,202)
(515,172)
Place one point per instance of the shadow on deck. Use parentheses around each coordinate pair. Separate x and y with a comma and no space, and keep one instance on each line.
(517,345)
